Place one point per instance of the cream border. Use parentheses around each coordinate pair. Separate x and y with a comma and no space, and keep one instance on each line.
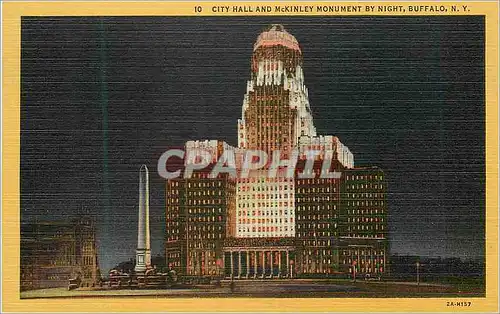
(12,12)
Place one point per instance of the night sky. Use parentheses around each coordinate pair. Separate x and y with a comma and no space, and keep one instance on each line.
(405,94)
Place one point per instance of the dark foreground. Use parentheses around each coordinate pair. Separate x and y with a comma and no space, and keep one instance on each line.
(281,289)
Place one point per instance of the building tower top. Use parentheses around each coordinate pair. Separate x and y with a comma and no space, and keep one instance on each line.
(276,35)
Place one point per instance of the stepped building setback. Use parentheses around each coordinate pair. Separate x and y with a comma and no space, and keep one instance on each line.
(261,226)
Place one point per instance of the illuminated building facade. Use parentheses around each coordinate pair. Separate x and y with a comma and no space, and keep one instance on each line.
(261,226)
(198,220)
(363,221)
(318,212)
(276,108)
(265,207)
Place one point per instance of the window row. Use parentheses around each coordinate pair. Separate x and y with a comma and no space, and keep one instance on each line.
(315,198)
(314,208)
(363,252)
(264,188)
(207,192)
(316,243)
(264,220)
(316,217)
(265,196)
(365,219)
(245,229)
(318,225)
(264,204)
(264,213)
(205,202)
(266,180)
(206,219)
(364,177)
(206,184)
(316,190)
(367,227)
(365,211)
(364,203)
(364,195)
(360,236)
(201,236)
(212,210)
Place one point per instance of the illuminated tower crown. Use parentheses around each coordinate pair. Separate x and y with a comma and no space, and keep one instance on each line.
(276,108)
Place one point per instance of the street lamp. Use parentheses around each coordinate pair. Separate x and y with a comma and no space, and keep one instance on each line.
(418,273)
(354,269)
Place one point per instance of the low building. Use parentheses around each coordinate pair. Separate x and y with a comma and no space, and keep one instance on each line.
(54,252)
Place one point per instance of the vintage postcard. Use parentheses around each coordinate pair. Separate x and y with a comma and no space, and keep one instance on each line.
(250,156)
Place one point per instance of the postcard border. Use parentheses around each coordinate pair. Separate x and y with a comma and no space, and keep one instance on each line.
(11,22)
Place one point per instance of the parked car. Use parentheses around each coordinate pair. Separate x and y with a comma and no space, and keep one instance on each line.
(370,277)
(74,283)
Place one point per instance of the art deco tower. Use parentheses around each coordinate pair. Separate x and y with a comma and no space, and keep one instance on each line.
(275,226)
(276,108)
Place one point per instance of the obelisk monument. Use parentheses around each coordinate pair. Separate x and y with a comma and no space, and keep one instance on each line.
(143,252)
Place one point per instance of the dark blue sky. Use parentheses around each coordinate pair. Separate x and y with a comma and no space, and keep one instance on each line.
(404,93)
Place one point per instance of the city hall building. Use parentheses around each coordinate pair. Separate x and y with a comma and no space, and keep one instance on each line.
(280,226)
